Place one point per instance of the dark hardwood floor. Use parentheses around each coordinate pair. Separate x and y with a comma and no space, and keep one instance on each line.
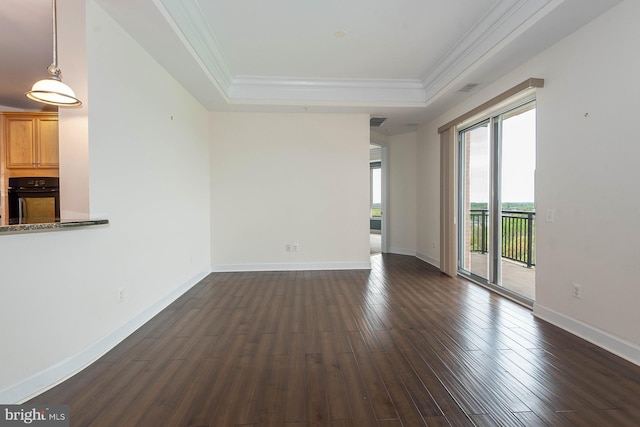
(401,345)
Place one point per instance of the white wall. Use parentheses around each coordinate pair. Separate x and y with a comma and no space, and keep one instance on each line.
(428,203)
(587,173)
(377,138)
(402,196)
(289,178)
(73,122)
(149,174)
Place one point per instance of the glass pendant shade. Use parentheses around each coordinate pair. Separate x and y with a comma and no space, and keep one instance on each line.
(53,92)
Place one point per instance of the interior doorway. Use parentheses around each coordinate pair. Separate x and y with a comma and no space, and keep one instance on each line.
(377,199)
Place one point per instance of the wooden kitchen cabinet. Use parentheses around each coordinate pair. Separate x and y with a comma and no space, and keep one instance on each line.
(30,140)
(28,147)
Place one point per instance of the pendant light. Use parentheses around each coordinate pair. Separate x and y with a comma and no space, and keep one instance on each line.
(51,90)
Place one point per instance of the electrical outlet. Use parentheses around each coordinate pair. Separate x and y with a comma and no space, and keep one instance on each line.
(296,247)
(121,295)
(287,247)
(577,290)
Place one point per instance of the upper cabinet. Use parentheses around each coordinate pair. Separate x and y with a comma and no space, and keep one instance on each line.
(30,140)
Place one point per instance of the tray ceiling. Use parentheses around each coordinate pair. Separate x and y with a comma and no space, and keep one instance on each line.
(406,60)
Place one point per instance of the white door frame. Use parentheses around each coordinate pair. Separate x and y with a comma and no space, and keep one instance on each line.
(384,229)
(384,157)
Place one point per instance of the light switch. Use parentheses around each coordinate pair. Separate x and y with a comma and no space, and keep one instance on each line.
(549,215)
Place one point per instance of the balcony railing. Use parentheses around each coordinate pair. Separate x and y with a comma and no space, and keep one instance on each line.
(517,234)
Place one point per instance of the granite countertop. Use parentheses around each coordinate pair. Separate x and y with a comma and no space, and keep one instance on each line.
(50,226)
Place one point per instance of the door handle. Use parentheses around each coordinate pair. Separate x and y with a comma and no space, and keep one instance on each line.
(22,211)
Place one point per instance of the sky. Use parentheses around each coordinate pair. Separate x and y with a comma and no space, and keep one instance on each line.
(518,160)
(376,189)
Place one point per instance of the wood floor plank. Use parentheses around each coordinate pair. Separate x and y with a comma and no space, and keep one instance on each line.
(272,414)
(257,379)
(164,386)
(212,400)
(540,407)
(400,345)
(368,371)
(317,403)
(295,408)
(490,382)
(105,399)
(450,406)
(459,383)
(437,421)
(530,419)
(196,402)
(126,410)
(405,406)
(567,396)
(361,409)
(336,390)
(228,409)
(419,392)
(390,423)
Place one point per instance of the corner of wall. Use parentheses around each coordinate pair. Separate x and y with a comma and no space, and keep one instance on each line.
(428,259)
(65,369)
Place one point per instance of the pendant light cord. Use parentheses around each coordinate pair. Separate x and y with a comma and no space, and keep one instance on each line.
(53,68)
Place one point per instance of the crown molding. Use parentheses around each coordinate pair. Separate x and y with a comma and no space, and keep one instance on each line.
(500,25)
(187,21)
(503,22)
(294,91)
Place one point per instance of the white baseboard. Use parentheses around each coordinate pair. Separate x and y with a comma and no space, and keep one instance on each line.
(428,260)
(605,340)
(402,251)
(230,268)
(54,375)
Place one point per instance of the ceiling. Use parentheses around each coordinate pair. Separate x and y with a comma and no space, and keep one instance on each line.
(25,49)
(406,60)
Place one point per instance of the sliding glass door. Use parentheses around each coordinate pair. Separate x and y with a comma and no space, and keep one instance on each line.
(475,190)
(517,200)
(496,201)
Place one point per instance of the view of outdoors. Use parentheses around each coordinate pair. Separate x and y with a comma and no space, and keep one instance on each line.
(376,191)
(516,169)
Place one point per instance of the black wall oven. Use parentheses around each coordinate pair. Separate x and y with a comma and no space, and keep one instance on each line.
(34,200)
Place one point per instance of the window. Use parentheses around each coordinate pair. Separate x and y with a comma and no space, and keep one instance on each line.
(376,189)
